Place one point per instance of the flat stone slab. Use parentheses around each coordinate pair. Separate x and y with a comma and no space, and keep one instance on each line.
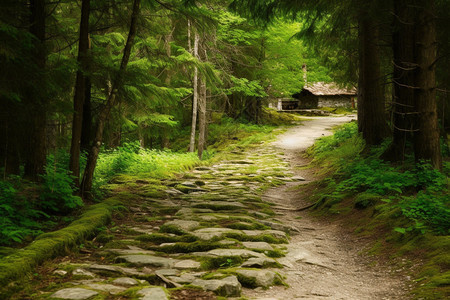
(74,294)
(258,246)
(185,225)
(153,293)
(258,262)
(210,233)
(227,287)
(183,278)
(83,272)
(219,205)
(244,253)
(280,227)
(117,270)
(147,260)
(112,289)
(259,278)
(187,264)
(130,251)
(275,233)
(125,281)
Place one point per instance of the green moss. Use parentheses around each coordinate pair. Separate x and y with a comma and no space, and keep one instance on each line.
(162,238)
(212,263)
(104,238)
(51,244)
(168,210)
(197,246)
(257,238)
(171,229)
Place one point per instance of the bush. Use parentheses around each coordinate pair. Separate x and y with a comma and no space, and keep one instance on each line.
(57,194)
(17,216)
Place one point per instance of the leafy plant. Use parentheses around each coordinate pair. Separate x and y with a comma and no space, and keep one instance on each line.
(58,192)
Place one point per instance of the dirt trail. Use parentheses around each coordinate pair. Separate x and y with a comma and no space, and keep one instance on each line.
(323,262)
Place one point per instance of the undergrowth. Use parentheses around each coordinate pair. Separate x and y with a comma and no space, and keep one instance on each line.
(409,201)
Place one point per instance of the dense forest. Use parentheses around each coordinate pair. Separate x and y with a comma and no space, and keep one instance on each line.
(82,77)
(94,89)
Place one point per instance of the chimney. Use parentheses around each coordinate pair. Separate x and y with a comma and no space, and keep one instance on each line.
(305,79)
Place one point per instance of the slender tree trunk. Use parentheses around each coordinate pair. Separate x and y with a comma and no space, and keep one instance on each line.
(202,117)
(37,115)
(426,138)
(86,128)
(403,86)
(371,106)
(194,98)
(80,92)
(86,185)
(165,141)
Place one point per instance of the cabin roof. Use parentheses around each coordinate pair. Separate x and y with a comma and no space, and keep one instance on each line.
(328,89)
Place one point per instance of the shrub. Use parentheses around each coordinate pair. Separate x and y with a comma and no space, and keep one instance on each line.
(57,193)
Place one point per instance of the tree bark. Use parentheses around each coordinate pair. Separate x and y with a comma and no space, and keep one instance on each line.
(426,136)
(403,80)
(86,184)
(86,128)
(202,117)
(371,105)
(194,98)
(80,92)
(37,115)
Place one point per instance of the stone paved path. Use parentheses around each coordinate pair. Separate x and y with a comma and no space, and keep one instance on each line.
(211,230)
(212,233)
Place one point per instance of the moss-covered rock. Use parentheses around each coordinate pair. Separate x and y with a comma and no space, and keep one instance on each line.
(55,243)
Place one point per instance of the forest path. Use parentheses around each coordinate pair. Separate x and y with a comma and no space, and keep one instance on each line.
(323,261)
(215,228)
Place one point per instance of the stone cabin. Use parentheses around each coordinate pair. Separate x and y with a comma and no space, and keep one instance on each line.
(321,94)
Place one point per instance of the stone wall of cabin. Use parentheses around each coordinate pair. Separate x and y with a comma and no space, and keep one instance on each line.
(335,101)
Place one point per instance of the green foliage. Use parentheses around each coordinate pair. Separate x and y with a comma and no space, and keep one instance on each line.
(57,190)
(132,159)
(428,211)
(421,192)
(331,142)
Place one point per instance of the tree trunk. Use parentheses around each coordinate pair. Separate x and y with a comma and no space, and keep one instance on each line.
(86,184)
(371,107)
(426,138)
(194,98)
(37,115)
(80,92)
(403,77)
(202,117)
(86,128)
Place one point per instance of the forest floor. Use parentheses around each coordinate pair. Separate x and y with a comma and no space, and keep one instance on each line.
(221,228)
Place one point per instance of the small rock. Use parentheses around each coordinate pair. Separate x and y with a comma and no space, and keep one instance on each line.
(262,278)
(130,251)
(298,178)
(60,272)
(74,294)
(257,246)
(258,262)
(210,233)
(167,272)
(235,252)
(112,289)
(83,272)
(187,264)
(227,287)
(125,281)
(185,225)
(147,260)
(153,293)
